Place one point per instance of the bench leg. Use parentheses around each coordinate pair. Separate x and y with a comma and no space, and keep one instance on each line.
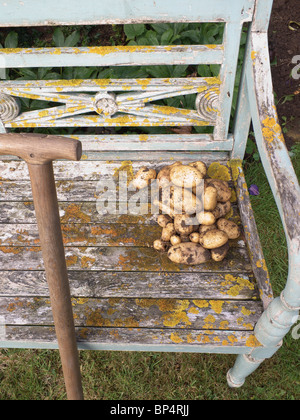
(272,327)
(244,366)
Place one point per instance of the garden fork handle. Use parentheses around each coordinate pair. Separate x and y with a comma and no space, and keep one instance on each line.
(39,152)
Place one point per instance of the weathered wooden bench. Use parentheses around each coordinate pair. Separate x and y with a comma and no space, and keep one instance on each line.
(127,296)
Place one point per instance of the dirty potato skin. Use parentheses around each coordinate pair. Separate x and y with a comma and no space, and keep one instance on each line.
(218,254)
(200,166)
(194,237)
(206,228)
(222,187)
(206,218)
(163,176)
(184,201)
(182,224)
(163,220)
(144,177)
(185,176)
(160,245)
(167,232)
(213,239)
(210,198)
(175,240)
(230,228)
(221,209)
(189,253)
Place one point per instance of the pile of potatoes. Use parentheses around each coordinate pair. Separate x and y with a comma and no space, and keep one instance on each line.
(194,230)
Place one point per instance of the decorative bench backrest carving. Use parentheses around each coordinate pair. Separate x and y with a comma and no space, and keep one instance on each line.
(128,102)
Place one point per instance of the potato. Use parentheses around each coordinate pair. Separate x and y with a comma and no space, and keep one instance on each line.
(175,240)
(185,176)
(194,237)
(222,187)
(206,228)
(230,228)
(144,177)
(189,253)
(163,176)
(181,200)
(218,254)
(184,201)
(167,232)
(200,166)
(221,209)
(210,198)
(183,224)
(213,239)
(163,220)
(206,218)
(160,245)
(166,210)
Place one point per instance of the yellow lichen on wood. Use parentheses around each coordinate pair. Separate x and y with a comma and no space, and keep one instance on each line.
(87,262)
(126,166)
(217,305)
(210,320)
(271,130)
(73,212)
(246,311)
(175,338)
(238,284)
(71,260)
(253,55)
(144,83)
(218,171)
(236,168)
(252,342)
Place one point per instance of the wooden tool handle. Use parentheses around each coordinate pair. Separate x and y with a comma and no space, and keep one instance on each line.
(39,149)
(47,215)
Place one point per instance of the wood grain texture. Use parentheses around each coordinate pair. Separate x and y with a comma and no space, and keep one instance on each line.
(255,250)
(119,259)
(48,220)
(37,149)
(115,275)
(93,284)
(138,313)
(167,339)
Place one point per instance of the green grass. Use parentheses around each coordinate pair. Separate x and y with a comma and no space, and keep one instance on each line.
(37,375)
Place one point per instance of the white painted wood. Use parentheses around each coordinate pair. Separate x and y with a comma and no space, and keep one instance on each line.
(112,56)
(53,12)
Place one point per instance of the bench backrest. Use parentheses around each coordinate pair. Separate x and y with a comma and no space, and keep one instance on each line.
(127,102)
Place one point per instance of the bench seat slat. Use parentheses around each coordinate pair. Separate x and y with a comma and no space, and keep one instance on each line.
(146,339)
(138,313)
(78,212)
(240,286)
(100,234)
(118,259)
(85,170)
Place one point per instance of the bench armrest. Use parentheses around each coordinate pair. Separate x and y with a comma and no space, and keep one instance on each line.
(274,155)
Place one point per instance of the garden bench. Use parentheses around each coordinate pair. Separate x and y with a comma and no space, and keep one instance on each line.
(125,295)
